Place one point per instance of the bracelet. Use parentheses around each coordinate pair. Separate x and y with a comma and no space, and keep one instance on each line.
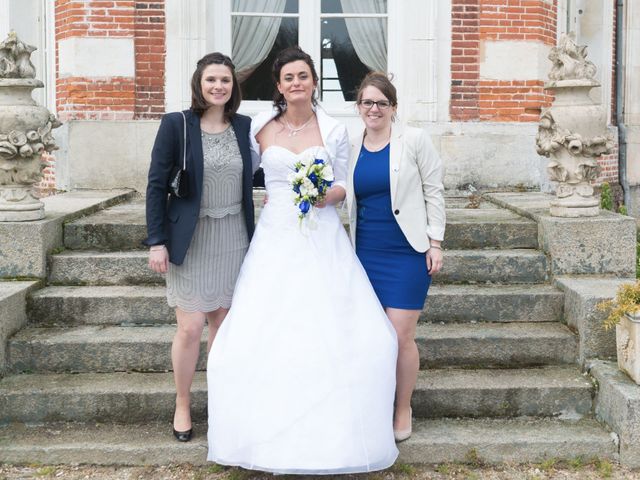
(435,246)
(156,248)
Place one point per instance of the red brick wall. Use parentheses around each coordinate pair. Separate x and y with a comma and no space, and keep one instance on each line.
(474,21)
(114,98)
(465,64)
(609,167)
(47,185)
(150,54)
(512,101)
(518,20)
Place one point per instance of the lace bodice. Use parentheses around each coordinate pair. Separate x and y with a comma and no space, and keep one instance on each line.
(222,182)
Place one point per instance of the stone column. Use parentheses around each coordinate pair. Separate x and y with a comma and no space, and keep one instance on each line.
(25,133)
(572,132)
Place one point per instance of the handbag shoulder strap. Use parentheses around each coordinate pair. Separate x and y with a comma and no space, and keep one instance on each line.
(184,143)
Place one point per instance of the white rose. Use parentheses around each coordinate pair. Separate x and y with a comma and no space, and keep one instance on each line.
(327,173)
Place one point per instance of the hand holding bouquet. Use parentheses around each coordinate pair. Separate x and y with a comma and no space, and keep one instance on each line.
(310,182)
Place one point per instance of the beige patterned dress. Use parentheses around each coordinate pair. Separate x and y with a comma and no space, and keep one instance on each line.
(206,279)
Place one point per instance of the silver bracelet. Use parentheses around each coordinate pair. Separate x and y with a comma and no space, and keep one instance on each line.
(156,248)
(435,246)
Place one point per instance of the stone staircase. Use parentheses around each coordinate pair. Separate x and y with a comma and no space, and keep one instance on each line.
(90,377)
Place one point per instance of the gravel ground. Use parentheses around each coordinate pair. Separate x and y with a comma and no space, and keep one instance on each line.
(575,470)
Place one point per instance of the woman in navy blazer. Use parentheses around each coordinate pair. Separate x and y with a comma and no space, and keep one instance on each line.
(200,240)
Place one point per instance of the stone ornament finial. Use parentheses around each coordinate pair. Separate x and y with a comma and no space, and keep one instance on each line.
(570,61)
(25,133)
(572,133)
(15,58)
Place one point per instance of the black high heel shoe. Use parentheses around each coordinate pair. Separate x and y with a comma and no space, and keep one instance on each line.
(183,436)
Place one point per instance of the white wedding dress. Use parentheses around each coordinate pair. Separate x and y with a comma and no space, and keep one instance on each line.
(301,375)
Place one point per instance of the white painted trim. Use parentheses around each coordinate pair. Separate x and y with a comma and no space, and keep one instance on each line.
(49,46)
(443,60)
(5,21)
(607,56)
(562,14)
(630,77)
(186,40)
(200,26)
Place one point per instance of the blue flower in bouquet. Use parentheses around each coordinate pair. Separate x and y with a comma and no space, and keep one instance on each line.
(310,181)
(304,206)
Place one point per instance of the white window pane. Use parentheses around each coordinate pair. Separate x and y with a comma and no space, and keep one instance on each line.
(264,6)
(354,6)
(351,48)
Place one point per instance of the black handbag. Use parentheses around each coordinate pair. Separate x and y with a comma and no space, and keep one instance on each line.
(179,180)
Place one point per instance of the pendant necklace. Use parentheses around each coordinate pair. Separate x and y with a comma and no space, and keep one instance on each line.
(294,131)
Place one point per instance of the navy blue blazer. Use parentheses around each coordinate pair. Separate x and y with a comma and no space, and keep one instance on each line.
(171,221)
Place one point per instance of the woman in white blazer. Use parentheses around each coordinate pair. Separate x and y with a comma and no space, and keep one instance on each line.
(397,222)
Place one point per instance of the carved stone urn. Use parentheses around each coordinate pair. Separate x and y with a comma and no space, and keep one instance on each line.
(573,131)
(25,133)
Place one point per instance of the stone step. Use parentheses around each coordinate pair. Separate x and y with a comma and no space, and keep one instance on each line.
(488,228)
(493,266)
(112,305)
(140,397)
(493,303)
(96,397)
(553,391)
(123,227)
(115,305)
(96,349)
(519,344)
(490,441)
(102,268)
(74,267)
(91,348)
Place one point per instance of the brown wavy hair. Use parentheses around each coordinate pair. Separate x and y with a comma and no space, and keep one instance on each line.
(198,104)
(288,55)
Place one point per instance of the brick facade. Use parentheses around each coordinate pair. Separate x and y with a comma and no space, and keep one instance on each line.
(113,98)
(465,64)
(475,21)
(150,53)
(608,168)
(473,98)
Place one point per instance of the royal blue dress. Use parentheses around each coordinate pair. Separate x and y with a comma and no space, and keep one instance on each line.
(397,272)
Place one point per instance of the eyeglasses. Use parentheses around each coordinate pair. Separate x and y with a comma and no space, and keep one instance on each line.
(368,104)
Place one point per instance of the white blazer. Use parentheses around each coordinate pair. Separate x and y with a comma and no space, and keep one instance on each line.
(417,193)
(334,137)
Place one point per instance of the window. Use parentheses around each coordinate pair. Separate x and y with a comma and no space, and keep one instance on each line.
(346,38)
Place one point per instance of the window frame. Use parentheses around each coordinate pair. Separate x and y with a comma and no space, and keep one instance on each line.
(309,21)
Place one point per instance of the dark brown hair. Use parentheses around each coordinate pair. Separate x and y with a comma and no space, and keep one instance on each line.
(198,103)
(381,81)
(288,55)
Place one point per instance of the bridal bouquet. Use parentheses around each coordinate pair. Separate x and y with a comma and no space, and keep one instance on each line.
(310,181)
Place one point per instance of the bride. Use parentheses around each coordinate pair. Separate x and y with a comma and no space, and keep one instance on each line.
(301,376)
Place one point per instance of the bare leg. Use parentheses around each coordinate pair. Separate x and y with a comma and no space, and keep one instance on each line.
(214,319)
(184,356)
(405,321)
